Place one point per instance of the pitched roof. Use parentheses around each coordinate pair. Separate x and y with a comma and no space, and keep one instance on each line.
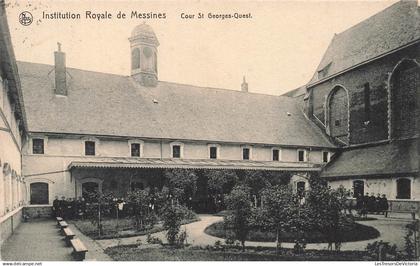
(394,27)
(8,66)
(191,164)
(107,104)
(398,157)
(296,92)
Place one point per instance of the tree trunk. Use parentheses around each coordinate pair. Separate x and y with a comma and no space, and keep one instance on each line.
(277,240)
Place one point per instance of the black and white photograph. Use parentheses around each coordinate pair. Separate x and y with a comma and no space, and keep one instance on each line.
(198,130)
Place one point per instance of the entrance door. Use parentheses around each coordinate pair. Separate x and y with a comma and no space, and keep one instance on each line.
(39,193)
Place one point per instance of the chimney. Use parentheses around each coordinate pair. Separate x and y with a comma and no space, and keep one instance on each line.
(244,85)
(60,72)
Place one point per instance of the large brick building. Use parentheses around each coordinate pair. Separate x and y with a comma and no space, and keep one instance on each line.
(365,96)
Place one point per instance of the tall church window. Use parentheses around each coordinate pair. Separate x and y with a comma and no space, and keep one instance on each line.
(338,113)
(403,188)
(367,101)
(135,58)
(405,88)
(39,193)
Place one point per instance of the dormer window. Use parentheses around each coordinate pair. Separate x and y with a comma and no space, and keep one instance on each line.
(90,148)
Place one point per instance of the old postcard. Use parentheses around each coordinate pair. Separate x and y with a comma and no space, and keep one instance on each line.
(209,131)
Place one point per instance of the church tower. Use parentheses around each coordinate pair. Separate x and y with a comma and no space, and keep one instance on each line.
(143,43)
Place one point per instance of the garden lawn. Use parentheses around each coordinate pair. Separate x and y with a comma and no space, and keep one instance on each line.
(164,253)
(353,232)
(125,227)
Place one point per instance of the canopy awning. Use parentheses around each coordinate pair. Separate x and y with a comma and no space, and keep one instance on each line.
(192,164)
(397,158)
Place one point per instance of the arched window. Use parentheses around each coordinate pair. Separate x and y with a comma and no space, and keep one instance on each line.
(337,116)
(405,88)
(403,188)
(39,193)
(358,188)
(135,58)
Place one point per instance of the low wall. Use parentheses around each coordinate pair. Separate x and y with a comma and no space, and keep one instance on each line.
(9,223)
(38,211)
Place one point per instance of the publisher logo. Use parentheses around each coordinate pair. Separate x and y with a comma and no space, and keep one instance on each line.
(25,18)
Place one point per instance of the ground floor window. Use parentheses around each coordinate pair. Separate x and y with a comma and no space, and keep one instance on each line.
(403,188)
(39,193)
(358,188)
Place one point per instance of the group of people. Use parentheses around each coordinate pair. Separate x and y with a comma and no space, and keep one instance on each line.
(70,208)
(371,204)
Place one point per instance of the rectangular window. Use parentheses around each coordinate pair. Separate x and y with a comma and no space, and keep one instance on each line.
(176,151)
(245,153)
(367,101)
(276,155)
(89,148)
(213,152)
(135,150)
(325,156)
(38,146)
(301,156)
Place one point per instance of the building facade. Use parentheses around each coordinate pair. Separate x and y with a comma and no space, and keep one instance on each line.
(365,97)
(104,132)
(12,136)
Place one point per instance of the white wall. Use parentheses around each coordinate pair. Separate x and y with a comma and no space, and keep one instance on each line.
(60,151)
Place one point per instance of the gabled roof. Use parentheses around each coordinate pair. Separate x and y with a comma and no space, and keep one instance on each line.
(390,29)
(398,157)
(114,105)
(296,92)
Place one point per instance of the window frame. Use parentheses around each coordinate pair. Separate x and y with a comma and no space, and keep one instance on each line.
(328,156)
(249,153)
(44,139)
(305,155)
(181,150)
(135,141)
(94,148)
(272,154)
(217,147)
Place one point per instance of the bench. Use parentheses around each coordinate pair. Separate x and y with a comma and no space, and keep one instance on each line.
(413,214)
(79,249)
(63,225)
(69,235)
(59,219)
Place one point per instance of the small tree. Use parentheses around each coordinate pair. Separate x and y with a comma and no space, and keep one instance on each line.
(99,206)
(239,202)
(182,183)
(140,201)
(172,218)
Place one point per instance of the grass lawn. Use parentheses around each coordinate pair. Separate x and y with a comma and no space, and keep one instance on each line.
(162,253)
(354,232)
(125,228)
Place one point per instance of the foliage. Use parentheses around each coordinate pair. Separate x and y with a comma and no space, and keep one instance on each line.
(238,201)
(412,231)
(153,240)
(182,184)
(380,250)
(220,182)
(100,206)
(172,220)
(140,200)
(326,210)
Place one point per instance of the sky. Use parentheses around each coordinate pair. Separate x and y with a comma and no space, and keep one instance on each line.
(277,49)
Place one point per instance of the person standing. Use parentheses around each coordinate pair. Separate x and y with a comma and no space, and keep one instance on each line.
(56,205)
